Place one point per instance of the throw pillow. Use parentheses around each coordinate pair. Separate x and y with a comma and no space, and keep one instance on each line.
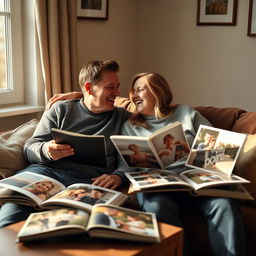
(11,148)
(246,163)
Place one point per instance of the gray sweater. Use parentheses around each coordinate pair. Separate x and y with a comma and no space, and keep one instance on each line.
(74,116)
(190,120)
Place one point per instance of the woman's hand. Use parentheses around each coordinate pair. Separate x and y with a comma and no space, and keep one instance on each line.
(58,151)
(107,181)
(63,96)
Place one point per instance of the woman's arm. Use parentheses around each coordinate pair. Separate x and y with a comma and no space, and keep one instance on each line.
(63,96)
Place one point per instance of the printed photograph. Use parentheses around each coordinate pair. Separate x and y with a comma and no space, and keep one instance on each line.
(215,150)
(50,220)
(123,219)
(84,194)
(171,147)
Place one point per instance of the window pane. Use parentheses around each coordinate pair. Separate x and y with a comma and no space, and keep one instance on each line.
(3,84)
(1,5)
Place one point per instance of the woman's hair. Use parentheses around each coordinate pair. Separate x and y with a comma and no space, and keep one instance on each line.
(162,93)
(92,72)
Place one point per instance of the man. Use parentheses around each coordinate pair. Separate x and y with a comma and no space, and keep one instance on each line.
(108,217)
(93,114)
(95,197)
(200,157)
(205,145)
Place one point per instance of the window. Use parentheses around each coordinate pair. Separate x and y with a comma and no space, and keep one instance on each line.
(21,78)
(11,53)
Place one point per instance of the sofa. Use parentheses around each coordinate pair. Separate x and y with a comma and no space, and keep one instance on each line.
(234,119)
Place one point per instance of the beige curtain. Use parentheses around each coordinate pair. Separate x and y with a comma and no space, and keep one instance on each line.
(56,24)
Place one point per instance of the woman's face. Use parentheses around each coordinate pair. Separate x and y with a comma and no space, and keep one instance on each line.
(44,186)
(142,97)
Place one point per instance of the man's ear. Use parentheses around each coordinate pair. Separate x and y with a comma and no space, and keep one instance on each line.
(88,86)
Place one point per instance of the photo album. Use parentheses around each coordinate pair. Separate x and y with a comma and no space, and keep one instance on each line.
(43,192)
(210,165)
(89,149)
(215,149)
(104,221)
(159,150)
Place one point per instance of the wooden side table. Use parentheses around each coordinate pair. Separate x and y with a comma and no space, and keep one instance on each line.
(171,244)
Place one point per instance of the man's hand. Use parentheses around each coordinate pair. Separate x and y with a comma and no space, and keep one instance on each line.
(63,96)
(107,181)
(58,151)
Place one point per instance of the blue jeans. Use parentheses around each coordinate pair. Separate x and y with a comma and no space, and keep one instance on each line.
(226,231)
(11,213)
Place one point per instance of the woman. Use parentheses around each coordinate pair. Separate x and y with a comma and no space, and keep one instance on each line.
(41,189)
(151,95)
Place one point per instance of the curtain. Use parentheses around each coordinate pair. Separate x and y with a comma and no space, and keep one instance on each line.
(56,23)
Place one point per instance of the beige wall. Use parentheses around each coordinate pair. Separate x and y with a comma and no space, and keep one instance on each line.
(111,39)
(205,65)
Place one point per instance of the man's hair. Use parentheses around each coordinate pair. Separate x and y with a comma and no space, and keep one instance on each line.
(168,136)
(92,72)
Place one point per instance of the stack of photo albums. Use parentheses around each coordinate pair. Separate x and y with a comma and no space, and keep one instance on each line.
(97,211)
(209,163)
(77,209)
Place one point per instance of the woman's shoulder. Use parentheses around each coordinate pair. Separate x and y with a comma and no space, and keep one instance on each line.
(183,108)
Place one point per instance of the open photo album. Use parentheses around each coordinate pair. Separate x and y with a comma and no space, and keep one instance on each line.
(160,149)
(43,192)
(215,149)
(104,221)
(210,165)
(195,181)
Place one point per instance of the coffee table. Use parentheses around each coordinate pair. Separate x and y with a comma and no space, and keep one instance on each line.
(171,244)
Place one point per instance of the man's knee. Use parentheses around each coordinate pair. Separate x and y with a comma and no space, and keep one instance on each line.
(13,213)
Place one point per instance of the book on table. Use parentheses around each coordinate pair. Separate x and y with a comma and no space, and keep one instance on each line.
(89,149)
(104,221)
(209,170)
(43,192)
(159,150)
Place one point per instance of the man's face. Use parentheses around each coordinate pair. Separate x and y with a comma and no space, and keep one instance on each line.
(207,138)
(96,194)
(103,94)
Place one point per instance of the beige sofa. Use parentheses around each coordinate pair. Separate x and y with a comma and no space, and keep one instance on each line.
(235,119)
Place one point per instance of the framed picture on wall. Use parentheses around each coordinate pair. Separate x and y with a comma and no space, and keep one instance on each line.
(216,12)
(92,9)
(252,19)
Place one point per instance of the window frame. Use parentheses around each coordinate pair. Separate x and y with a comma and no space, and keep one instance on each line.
(14,93)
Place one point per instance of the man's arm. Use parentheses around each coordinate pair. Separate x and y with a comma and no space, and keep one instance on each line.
(40,148)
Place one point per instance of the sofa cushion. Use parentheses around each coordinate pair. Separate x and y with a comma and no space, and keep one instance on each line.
(246,123)
(246,163)
(223,118)
(11,148)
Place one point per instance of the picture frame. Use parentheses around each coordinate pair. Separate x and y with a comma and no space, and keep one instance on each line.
(92,9)
(216,13)
(252,19)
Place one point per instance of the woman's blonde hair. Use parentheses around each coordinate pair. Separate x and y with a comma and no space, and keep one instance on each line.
(162,93)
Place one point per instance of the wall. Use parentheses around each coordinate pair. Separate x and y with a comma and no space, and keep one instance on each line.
(205,65)
(111,39)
